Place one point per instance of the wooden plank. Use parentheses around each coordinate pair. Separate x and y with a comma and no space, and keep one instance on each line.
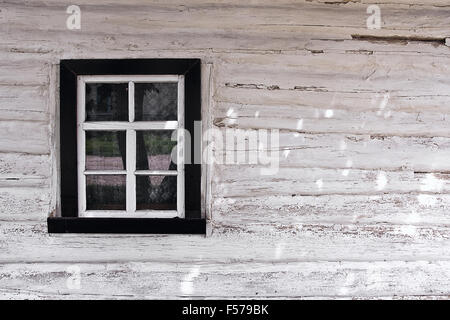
(434,3)
(25,203)
(8,114)
(19,98)
(19,164)
(24,186)
(323,100)
(16,70)
(411,3)
(383,119)
(376,72)
(162,280)
(30,242)
(363,152)
(201,25)
(23,181)
(284,16)
(396,209)
(29,137)
(369,47)
(242,180)
(30,294)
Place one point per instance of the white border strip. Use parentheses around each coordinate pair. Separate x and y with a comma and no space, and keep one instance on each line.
(125,214)
(128,78)
(81,145)
(180,149)
(131,168)
(123,125)
(156,172)
(104,172)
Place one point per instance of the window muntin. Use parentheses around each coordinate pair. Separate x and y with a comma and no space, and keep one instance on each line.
(154,190)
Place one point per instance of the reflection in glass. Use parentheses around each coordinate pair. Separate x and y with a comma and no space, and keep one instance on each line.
(155,101)
(106,101)
(105,150)
(106,192)
(154,150)
(156,192)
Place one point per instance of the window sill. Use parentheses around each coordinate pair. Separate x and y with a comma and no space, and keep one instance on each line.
(126,225)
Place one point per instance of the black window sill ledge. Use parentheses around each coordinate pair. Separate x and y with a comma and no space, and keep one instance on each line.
(126,225)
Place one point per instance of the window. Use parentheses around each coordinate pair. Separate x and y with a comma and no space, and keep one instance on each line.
(123,149)
(129,133)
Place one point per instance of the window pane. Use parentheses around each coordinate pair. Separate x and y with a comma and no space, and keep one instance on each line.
(155,101)
(105,150)
(106,192)
(156,192)
(154,149)
(106,101)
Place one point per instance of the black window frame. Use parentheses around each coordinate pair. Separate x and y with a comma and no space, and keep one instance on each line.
(69,222)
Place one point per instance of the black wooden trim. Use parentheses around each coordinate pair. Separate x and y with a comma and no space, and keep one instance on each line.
(129,66)
(192,170)
(69,70)
(68,142)
(126,225)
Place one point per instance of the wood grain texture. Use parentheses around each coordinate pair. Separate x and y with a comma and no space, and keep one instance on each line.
(183,280)
(420,154)
(359,207)
(394,209)
(239,180)
(28,242)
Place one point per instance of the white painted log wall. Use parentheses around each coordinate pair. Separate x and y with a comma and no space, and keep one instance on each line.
(360,206)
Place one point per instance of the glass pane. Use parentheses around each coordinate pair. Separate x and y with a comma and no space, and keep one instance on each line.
(106,101)
(106,192)
(155,101)
(156,192)
(154,150)
(105,150)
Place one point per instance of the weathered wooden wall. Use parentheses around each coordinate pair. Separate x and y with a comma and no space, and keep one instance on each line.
(360,206)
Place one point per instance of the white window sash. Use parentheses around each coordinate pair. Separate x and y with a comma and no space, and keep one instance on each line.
(131,78)
(130,128)
(123,125)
